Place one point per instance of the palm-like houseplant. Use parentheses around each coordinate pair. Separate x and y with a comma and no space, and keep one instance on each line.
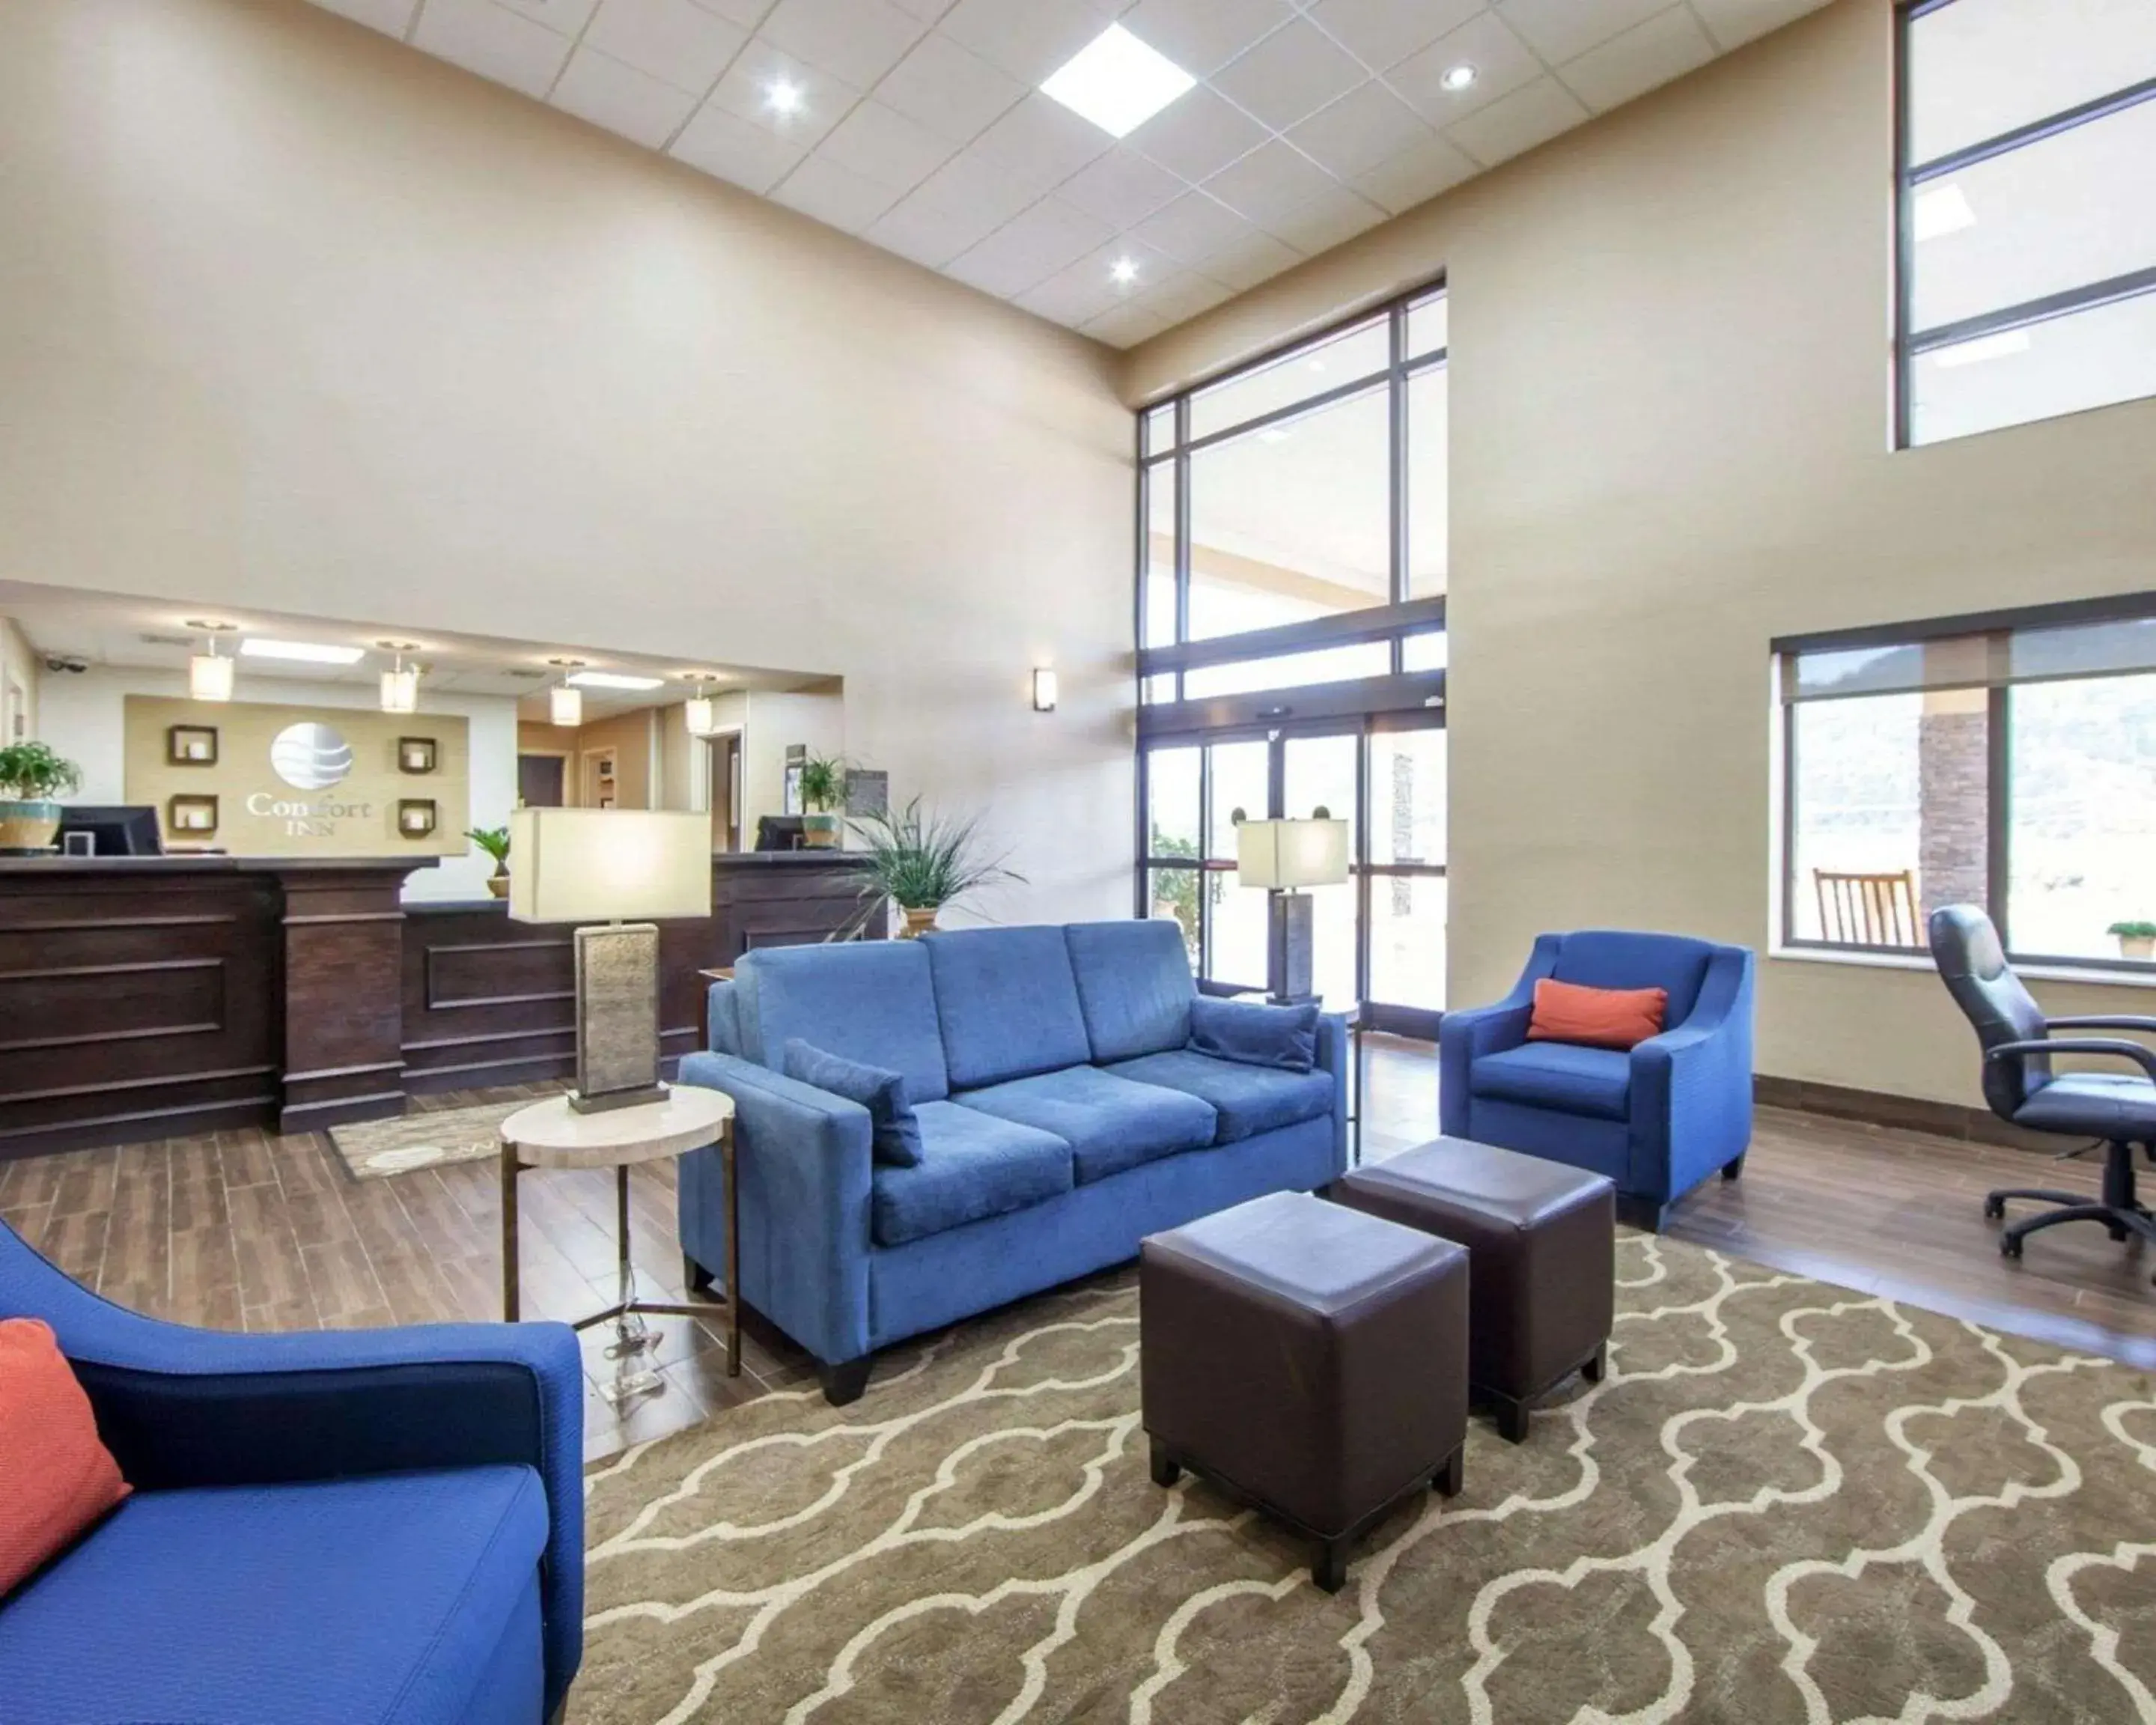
(494,842)
(32,778)
(823,795)
(922,863)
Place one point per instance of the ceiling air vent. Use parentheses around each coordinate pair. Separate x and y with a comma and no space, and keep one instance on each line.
(168,640)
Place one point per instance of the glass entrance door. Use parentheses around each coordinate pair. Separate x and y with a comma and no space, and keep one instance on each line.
(1379,938)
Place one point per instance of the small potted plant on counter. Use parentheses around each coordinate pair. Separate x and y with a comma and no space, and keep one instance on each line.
(822,796)
(2136,940)
(494,842)
(32,779)
(922,863)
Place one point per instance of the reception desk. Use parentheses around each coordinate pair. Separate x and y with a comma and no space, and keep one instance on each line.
(150,998)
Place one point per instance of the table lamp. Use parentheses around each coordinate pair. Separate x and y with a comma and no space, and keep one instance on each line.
(586,864)
(1283,856)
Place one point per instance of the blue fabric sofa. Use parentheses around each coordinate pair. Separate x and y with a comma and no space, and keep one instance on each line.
(1657,1121)
(356,1527)
(1063,1119)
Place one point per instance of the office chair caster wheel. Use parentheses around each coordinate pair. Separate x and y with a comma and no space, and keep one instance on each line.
(2009,1247)
(1993,1208)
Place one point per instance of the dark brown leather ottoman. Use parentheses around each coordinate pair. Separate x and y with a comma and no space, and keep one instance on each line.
(1541,1241)
(1310,1359)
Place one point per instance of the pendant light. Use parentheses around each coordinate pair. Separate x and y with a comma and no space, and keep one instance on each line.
(701,711)
(209,673)
(400,685)
(565,706)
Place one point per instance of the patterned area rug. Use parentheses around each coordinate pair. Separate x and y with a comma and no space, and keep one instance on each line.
(1788,1503)
(374,1148)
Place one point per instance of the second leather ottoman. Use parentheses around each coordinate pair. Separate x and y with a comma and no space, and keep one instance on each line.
(1540,1241)
(1307,1357)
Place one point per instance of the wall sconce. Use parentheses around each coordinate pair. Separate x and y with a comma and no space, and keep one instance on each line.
(209,674)
(566,705)
(1043,689)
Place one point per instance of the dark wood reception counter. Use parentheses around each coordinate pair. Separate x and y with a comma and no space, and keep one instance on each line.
(148,998)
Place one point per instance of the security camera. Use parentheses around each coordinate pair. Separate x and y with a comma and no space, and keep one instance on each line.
(58,662)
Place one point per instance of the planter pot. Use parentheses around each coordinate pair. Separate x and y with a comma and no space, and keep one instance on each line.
(28,826)
(2142,947)
(498,885)
(917,923)
(820,832)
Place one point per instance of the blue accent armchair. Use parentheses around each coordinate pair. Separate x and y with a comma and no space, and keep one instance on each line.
(353,1527)
(1657,1121)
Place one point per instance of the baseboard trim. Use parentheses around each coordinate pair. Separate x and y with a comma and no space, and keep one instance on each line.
(1946,1120)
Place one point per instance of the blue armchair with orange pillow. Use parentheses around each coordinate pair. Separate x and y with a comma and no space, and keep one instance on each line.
(1597,1081)
(377,1526)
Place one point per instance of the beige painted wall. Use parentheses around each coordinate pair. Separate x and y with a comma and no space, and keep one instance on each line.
(20,675)
(1671,338)
(297,318)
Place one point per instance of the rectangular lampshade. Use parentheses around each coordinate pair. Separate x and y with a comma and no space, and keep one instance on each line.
(602,865)
(1291,852)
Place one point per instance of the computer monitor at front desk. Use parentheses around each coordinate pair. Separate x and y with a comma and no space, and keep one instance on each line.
(117,831)
(778,832)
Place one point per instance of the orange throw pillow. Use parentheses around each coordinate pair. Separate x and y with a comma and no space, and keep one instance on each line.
(56,1478)
(1600,1018)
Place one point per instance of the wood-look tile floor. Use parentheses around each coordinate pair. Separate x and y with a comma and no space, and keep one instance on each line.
(246,1230)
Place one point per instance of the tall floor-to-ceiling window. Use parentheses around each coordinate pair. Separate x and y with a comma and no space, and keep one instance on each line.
(1292,572)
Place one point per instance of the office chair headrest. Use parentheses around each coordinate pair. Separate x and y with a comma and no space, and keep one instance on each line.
(1965,944)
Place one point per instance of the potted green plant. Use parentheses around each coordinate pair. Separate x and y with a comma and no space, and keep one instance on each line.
(822,796)
(922,863)
(32,777)
(2136,940)
(494,842)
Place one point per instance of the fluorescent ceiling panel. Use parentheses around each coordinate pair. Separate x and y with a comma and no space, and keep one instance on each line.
(1118,82)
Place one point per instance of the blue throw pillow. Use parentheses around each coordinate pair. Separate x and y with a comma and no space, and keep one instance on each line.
(1254,1033)
(897,1132)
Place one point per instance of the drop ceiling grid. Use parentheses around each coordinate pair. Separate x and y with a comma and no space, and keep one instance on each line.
(1312,120)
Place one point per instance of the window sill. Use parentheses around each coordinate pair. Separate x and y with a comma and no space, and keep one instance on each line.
(2030,972)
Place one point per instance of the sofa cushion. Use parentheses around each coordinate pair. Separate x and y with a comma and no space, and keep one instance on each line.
(377,1599)
(1007,1003)
(894,1133)
(60,1477)
(871,1001)
(1134,985)
(1110,1123)
(1628,958)
(1595,1017)
(1248,1100)
(1562,1075)
(973,1166)
(1256,1034)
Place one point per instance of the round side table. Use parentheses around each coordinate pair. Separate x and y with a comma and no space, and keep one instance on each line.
(551,1134)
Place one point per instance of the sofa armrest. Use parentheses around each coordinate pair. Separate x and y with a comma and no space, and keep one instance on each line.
(181,1407)
(1692,1087)
(806,1168)
(1463,1037)
(1334,1056)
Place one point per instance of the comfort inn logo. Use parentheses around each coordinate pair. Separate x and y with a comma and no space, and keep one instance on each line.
(308,756)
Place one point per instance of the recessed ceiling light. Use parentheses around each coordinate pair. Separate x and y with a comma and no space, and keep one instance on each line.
(300,652)
(1984,347)
(1941,210)
(782,96)
(614,680)
(1118,82)
(1458,78)
(1123,271)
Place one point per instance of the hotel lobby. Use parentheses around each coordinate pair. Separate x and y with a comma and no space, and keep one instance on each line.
(1164,861)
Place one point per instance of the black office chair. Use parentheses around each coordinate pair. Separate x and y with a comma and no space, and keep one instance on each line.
(2118,1109)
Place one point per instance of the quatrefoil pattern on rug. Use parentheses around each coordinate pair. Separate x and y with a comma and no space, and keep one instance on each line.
(1787,1502)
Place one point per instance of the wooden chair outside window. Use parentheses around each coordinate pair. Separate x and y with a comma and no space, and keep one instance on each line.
(1868,910)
